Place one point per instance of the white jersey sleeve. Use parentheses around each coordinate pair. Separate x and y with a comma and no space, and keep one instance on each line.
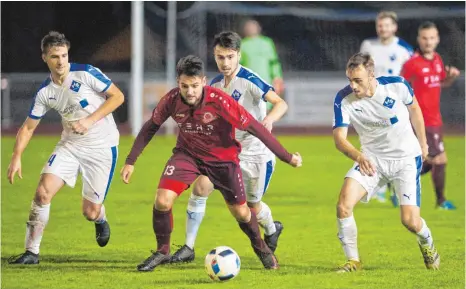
(95,79)
(39,106)
(341,117)
(258,87)
(408,95)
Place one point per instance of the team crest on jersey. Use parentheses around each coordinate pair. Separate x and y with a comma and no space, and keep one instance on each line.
(389,102)
(75,86)
(393,57)
(208,117)
(438,68)
(236,95)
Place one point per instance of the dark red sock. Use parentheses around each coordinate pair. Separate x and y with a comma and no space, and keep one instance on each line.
(426,167)
(438,177)
(162,223)
(251,229)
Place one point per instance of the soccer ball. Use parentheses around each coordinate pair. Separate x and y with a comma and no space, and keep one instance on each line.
(222,264)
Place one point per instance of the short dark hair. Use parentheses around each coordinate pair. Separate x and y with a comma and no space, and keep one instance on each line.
(190,66)
(228,39)
(363,59)
(427,25)
(54,38)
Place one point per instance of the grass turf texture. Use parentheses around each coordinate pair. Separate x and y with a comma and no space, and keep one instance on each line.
(303,199)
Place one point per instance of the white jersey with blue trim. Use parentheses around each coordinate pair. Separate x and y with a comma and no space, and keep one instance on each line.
(249,90)
(81,94)
(381,121)
(388,58)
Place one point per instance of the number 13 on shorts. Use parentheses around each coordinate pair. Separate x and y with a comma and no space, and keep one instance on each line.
(169,170)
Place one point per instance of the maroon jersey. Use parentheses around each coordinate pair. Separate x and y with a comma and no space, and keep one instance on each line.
(207,131)
(426,77)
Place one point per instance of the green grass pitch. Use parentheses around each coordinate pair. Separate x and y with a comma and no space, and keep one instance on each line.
(303,199)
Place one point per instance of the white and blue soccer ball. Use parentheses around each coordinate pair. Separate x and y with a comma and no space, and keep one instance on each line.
(222,263)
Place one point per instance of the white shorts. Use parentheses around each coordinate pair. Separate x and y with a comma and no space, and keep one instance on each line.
(256,178)
(403,174)
(96,166)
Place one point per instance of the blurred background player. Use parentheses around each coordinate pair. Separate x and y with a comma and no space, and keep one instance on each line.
(258,53)
(389,53)
(206,117)
(427,74)
(380,109)
(85,98)
(256,161)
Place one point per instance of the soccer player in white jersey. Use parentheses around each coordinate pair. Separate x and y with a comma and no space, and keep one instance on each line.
(383,112)
(85,98)
(256,160)
(389,53)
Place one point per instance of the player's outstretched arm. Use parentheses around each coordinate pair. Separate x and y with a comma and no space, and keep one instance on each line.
(240,118)
(115,98)
(145,135)
(279,109)
(417,120)
(22,139)
(344,146)
(259,131)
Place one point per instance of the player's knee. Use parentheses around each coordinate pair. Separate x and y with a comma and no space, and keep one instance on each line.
(440,159)
(203,187)
(343,210)
(241,213)
(410,222)
(256,206)
(91,214)
(163,203)
(201,191)
(42,196)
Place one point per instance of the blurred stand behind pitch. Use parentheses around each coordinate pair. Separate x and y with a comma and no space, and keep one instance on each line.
(313,45)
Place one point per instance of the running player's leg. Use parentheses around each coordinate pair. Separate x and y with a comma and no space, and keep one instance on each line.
(179,173)
(195,212)
(256,179)
(61,167)
(227,178)
(356,187)
(438,165)
(408,186)
(98,168)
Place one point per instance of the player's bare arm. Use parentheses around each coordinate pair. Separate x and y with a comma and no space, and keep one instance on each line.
(22,139)
(144,136)
(343,145)
(452,74)
(279,109)
(115,98)
(417,120)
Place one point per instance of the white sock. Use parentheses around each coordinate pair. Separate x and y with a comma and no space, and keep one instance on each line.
(38,219)
(348,235)
(265,220)
(102,217)
(194,215)
(424,236)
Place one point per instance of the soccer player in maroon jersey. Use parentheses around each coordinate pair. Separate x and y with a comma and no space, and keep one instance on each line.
(207,118)
(427,74)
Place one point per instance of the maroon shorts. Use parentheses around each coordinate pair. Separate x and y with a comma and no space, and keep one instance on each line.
(434,135)
(182,170)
